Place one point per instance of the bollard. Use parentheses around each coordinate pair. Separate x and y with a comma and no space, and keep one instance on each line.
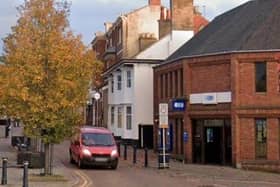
(125,151)
(134,154)
(146,157)
(4,171)
(25,174)
(119,148)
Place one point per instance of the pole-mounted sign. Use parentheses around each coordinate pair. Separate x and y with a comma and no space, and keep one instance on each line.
(163,115)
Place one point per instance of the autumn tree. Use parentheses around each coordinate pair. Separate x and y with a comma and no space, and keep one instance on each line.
(47,71)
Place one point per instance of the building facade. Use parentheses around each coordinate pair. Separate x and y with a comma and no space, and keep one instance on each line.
(230,86)
(132,50)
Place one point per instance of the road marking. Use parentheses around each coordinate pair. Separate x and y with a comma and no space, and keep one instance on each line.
(86,180)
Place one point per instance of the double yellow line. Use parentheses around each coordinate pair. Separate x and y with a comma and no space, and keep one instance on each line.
(86,181)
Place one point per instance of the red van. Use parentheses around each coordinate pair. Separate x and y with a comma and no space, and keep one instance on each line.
(94,146)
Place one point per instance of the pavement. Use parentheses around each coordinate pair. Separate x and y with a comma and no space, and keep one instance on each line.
(204,175)
(15,172)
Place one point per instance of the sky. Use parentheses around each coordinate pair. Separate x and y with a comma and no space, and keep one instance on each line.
(88,16)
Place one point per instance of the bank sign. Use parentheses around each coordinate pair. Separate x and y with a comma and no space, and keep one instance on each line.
(179,105)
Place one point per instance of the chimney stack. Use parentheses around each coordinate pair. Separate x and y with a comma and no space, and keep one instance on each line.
(163,13)
(182,14)
(164,22)
(154,2)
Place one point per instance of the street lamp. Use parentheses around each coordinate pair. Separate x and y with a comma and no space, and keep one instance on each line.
(96,96)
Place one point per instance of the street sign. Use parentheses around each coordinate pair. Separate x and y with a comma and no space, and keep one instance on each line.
(163,115)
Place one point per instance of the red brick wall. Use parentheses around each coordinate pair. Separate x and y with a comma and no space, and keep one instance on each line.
(247,139)
(273,139)
(210,78)
(246,93)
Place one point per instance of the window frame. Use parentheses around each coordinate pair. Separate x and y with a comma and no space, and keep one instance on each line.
(128,79)
(112,115)
(259,88)
(120,117)
(112,85)
(119,35)
(128,118)
(263,141)
(119,82)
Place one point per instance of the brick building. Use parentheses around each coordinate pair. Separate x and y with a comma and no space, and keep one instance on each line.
(223,90)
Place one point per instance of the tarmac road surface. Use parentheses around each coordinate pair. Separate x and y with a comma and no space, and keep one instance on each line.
(185,175)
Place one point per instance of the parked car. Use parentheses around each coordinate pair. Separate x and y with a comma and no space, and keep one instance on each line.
(94,146)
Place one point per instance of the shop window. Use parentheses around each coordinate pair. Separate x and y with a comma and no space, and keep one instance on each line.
(128,117)
(261,138)
(260,77)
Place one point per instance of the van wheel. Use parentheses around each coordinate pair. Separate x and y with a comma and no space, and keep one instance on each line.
(72,161)
(80,164)
(114,165)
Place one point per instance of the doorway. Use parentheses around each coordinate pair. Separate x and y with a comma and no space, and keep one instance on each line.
(146,136)
(213,145)
(211,141)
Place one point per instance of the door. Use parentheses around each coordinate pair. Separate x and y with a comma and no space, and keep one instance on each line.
(146,136)
(213,145)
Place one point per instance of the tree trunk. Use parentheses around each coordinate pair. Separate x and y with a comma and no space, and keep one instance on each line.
(48,159)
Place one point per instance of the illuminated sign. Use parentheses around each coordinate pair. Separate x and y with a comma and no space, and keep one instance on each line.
(178,105)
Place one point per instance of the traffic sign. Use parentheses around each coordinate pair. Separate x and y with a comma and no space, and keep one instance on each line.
(163,115)
(163,109)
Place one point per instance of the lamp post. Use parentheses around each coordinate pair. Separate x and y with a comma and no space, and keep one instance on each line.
(97,97)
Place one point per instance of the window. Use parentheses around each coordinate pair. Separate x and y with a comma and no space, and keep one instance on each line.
(181,83)
(176,83)
(112,85)
(260,76)
(261,138)
(166,85)
(119,117)
(120,36)
(128,75)
(119,79)
(161,86)
(170,84)
(111,42)
(128,117)
(112,115)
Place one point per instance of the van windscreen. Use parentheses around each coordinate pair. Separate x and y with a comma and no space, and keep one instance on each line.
(97,139)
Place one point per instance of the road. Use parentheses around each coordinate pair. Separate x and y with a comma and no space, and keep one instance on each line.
(129,175)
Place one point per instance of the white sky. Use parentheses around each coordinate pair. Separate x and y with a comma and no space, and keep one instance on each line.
(88,16)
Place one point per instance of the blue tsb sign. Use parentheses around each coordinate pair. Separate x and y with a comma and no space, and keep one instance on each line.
(179,105)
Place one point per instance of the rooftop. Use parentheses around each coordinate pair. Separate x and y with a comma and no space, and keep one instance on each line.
(253,26)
